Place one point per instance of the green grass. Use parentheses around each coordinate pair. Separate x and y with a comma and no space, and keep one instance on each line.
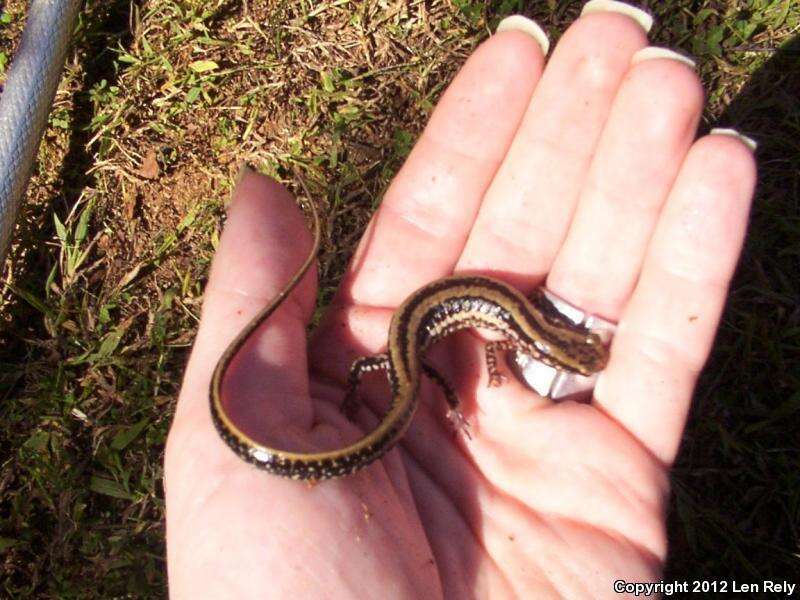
(103,287)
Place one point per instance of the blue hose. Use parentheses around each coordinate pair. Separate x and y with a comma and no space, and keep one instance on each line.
(27,97)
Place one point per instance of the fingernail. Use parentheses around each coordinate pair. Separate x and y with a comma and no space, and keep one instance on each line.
(749,142)
(652,52)
(526,25)
(644,19)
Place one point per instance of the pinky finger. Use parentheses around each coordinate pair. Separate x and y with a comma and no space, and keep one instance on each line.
(667,329)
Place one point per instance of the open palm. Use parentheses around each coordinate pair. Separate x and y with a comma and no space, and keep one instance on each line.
(585,177)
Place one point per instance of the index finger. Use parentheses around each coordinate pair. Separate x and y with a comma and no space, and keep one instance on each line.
(424,219)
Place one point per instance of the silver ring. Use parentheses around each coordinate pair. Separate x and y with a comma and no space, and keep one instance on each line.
(550,382)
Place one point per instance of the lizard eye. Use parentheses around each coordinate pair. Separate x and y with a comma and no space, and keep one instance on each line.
(542,347)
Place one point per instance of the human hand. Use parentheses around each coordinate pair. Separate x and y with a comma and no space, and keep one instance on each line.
(585,177)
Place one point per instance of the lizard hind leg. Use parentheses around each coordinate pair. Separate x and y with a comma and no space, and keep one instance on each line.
(454,415)
(364,364)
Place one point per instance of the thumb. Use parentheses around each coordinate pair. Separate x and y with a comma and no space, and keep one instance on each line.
(264,242)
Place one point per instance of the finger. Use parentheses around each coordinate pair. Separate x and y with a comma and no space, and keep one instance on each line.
(424,218)
(650,128)
(528,207)
(667,329)
(264,242)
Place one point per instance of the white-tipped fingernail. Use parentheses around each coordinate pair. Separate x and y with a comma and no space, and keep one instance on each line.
(652,52)
(643,18)
(749,142)
(526,25)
